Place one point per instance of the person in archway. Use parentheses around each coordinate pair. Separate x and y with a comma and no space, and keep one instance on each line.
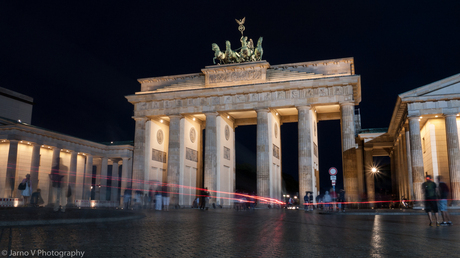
(431,204)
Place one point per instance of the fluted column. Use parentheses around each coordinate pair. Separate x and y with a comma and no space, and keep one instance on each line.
(368,164)
(305,153)
(210,154)
(139,155)
(34,166)
(263,154)
(416,158)
(350,175)
(174,158)
(72,179)
(115,179)
(10,181)
(103,179)
(54,170)
(409,165)
(125,178)
(453,156)
(88,179)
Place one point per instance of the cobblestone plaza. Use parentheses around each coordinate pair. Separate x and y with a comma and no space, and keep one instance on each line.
(230,233)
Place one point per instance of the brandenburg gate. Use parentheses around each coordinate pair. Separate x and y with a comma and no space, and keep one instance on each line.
(243,89)
(171,112)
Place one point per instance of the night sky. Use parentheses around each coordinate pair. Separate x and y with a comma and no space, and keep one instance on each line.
(79,60)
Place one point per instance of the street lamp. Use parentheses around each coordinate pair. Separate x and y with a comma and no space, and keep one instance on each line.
(374,170)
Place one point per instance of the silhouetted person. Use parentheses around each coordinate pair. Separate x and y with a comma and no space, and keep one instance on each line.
(56,180)
(443,190)
(431,204)
(165,197)
(204,198)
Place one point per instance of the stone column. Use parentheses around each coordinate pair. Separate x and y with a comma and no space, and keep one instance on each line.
(88,179)
(115,179)
(210,154)
(305,154)
(103,179)
(359,169)
(350,175)
(126,179)
(139,155)
(34,166)
(263,154)
(72,179)
(10,182)
(174,158)
(409,165)
(54,170)
(368,164)
(453,156)
(416,159)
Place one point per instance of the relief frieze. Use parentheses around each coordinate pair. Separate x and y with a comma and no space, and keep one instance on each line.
(253,97)
(294,94)
(226,153)
(280,95)
(240,98)
(191,154)
(235,76)
(215,100)
(228,99)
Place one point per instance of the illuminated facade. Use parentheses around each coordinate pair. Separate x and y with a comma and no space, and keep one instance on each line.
(172,111)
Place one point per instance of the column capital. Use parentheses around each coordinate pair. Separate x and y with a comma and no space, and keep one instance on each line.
(368,148)
(307,107)
(115,160)
(450,114)
(411,118)
(263,110)
(214,113)
(342,104)
(143,118)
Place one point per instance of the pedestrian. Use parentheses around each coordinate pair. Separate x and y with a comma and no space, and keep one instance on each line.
(158,198)
(306,198)
(341,199)
(127,198)
(204,199)
(431,204)
(56,184)
(165,196)
(27,192)
(443,190)
(327,200)
(310,201)
(334,199)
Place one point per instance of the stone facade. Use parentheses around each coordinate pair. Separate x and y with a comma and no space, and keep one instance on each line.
(223,97)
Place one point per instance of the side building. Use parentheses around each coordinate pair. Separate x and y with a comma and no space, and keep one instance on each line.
(422,139)
(92,171)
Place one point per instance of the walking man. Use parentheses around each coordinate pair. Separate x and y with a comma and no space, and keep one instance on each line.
(443,190)
(431,204)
